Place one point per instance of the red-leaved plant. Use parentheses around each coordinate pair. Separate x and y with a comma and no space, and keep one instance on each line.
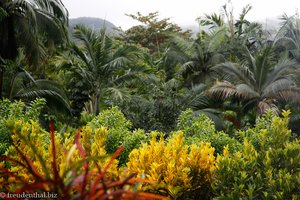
(89,184)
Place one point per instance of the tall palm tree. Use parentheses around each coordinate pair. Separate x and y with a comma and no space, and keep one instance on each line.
(30,24)
(102,65)
(259,82)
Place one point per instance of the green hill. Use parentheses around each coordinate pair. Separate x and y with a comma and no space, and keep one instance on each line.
(93,23)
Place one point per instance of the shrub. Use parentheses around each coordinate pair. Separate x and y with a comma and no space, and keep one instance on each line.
(35,144)
(174,169)
(201,128)
(267,166)
(81,181)
(119,132)
(14,111)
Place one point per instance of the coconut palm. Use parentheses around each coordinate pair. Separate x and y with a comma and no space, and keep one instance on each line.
(101,65)
(260,82)
(30,24)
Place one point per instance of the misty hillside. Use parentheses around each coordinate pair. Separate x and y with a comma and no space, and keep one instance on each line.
(93,23)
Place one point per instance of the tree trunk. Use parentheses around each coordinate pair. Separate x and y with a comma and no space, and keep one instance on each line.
(1,80)
(97,111)
(8,47)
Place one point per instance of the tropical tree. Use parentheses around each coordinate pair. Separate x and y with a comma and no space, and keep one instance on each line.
(154,33)
(32,25)
(228,35)
(160,107)
(287,38)
(259,82)
(20,84)
(97,68)
(194,59)
(162,96)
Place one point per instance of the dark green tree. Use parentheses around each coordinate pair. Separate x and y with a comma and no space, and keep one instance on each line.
(20,84)
(98,68)
(31,25)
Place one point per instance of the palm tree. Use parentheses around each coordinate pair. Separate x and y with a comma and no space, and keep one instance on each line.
(191,59)
(20,84)
(226,37)
(288,36)
(102,65)
(259,82)
(30,24)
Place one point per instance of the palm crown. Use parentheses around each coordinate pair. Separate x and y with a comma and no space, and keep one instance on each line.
(260,82)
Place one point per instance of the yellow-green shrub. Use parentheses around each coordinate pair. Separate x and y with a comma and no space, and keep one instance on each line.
(13,111)
(35,144)
(267,166)
(173,168)
(200,128)
(119,132)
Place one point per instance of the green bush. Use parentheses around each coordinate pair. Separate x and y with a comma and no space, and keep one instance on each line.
(119,132)
(13,111)
(202,129)
(268,166)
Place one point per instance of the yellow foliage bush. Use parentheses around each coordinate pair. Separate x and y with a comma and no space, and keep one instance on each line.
(35,144)
(172,167)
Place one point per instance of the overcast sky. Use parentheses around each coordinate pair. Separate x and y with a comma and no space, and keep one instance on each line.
(182,12)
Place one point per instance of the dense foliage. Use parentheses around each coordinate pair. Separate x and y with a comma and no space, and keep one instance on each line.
(198,115)
(260,162)
(200,128)
(267,167)
(174,169)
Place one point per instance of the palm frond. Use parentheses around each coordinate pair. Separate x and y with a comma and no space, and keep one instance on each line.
(87,38)
(246,92)
(195,98)
(47,89)
(56,8)
(55,29)
(223,89)
(291,95)
(226,90)
(284,69)
(286,42)
(234,73)
(79,52)
(33,46)
(216,39)
(265,105)
(117,93)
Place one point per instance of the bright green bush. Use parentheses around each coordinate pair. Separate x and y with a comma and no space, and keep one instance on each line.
(119,132)
(112,118)
(202,129)
(14,111)
(268,166)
